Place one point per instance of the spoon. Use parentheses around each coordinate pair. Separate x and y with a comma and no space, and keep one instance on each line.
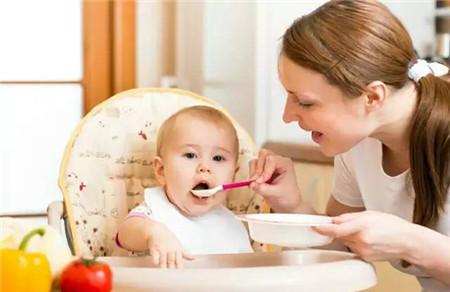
(213,191)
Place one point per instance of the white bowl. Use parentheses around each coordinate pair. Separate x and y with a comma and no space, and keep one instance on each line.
(288,230)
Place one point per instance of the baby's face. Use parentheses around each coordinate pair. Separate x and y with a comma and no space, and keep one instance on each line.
(197,154)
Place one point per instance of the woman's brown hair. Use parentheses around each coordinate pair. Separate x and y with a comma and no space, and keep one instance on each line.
(355,42)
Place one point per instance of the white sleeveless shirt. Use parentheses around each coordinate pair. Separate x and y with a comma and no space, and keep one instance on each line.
(360,181)
(216,232)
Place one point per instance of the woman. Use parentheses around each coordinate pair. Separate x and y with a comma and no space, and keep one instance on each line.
(353,79)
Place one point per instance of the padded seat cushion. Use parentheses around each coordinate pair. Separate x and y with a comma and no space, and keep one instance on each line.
(108,163)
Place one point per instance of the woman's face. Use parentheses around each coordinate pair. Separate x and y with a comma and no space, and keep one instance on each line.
(336,122)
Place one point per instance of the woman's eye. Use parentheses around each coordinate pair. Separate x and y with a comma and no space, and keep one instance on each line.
(190,155)
(218,158)
(302,104)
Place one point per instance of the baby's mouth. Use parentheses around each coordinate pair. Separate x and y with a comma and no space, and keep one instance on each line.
(201,186)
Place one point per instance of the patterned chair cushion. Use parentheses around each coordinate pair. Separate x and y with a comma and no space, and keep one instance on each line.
(108,163)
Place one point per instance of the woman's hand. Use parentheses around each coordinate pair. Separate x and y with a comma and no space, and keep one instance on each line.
(282,194)
(373,236)
(165,249)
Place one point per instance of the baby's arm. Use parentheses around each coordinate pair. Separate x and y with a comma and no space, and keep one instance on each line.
(140,233)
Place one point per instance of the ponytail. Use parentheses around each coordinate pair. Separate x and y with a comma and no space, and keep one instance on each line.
(430,149)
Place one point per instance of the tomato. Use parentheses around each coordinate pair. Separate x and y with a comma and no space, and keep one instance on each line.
(85,275)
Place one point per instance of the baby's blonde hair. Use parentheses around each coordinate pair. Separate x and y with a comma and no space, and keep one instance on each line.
(205,113)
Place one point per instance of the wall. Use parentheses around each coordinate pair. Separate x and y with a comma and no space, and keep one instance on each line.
(155,41)
(276,17)
(229,50)
(215,54)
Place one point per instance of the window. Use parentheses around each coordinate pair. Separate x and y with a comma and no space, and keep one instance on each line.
(41,98)
(58,59)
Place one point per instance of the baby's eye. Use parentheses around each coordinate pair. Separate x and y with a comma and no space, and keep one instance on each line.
(218,158)
(190,155)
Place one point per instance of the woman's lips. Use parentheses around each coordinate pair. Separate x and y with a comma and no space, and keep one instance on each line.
(316,136)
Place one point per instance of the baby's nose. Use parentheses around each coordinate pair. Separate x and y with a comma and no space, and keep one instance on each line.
(202,168)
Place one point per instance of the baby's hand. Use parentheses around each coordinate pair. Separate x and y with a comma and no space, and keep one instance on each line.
(165,249)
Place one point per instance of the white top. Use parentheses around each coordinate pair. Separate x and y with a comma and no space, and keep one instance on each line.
(216,232)
(360,181)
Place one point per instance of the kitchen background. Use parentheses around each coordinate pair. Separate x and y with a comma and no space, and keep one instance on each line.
(59,58)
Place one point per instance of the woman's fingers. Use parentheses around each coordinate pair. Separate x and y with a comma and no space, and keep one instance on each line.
(259,165)
(347,217)
(252,168)
(351,246)
(261,162)
(345,225)
(262,168)
(267,189)
(339,230)
(269,169)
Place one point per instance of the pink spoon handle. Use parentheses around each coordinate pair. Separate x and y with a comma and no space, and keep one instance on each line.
(241,184)
(237,184)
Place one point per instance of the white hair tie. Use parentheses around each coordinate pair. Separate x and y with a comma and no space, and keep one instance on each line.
(422,68)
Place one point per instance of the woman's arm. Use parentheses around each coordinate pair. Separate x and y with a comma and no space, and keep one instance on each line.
(424,247)
(430,251)
(335,208)
(377,236)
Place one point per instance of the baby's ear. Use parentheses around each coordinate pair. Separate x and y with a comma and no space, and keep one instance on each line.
(158,167)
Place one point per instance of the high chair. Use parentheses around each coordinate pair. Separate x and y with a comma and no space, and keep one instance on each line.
(107,164)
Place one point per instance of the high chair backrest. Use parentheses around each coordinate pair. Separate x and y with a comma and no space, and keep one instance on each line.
(108,163)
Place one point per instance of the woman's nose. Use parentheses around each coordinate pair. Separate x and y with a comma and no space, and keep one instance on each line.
(288,116)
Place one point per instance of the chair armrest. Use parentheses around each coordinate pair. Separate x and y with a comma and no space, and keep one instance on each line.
(55,212)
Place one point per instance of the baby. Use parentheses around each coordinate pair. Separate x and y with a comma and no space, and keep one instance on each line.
(197,148)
